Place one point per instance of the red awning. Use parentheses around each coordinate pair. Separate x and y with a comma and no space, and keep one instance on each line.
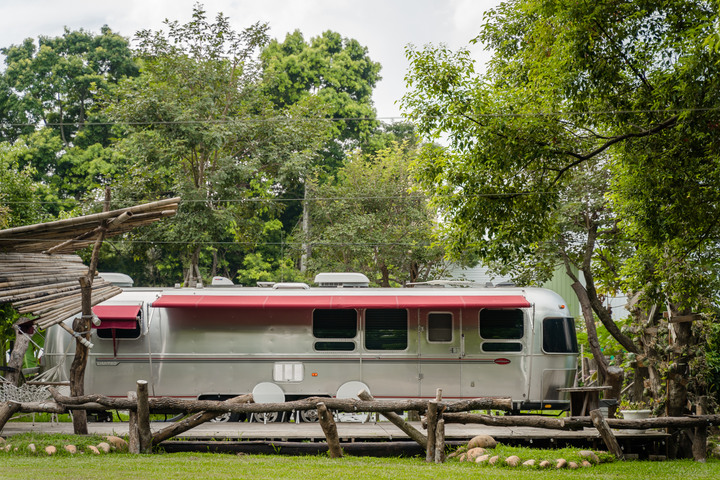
(123,317)
(341,301)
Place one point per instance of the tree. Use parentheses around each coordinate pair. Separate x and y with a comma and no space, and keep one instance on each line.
(196,123)
(56,83)
(337,70)
(20,196)
(370,220)
(624,91)
(49,105)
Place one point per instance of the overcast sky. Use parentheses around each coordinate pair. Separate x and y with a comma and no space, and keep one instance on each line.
(385,27)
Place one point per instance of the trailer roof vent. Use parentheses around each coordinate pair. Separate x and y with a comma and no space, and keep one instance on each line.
(117,279)
(221,282)
(342,280)
(291,286)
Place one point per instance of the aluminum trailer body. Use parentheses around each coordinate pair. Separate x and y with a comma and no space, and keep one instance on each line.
(399,343)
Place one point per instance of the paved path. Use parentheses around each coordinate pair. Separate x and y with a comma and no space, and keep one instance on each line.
(347,431)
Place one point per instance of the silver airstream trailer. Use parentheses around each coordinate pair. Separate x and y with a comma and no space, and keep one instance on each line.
(294,341)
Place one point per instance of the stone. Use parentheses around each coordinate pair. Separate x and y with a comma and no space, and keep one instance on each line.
(93,450)
(71,449)
(2,441)
(482,459)
(50,450)
(529,463)
(494,460)
(482,441)
(473,453)
(117,442)
(586,464)
(573,466)
(32,448)
(512,461)
(590,456)
(544,464)
(8,447)
(105,447)
(463,457)
(561,463)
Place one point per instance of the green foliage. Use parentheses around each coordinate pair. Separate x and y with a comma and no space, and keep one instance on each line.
(197,124)
(370,220)
(590,141)
(57,81)
(19,194)
(334,69)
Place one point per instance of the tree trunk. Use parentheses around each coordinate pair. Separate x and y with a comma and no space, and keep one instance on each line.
(192,276)
(22,342)
(81,326)
(77,368)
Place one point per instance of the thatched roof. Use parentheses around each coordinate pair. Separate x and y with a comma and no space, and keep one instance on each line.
(38,269)
(73,234)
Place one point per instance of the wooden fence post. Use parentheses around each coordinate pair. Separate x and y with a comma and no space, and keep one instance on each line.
(133,433)
(699,444)
(440,441)
(431,417)
(330,429)
(143,417)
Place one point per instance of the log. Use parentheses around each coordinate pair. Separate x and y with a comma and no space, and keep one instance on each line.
(133,432)
(330,429)
(22,342)
(431,416)
(504,404)
(440,441)
(607,435)
(143,417)
(574,423)
(195,420)
(537,421)
(699,443)
(398,421)
(7,410)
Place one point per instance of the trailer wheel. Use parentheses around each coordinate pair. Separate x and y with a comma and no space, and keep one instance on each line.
(309,416)
(268,417)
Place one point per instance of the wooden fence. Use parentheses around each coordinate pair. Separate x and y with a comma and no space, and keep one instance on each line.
(437,413)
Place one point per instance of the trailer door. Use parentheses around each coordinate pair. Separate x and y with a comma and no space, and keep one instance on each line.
(495,353)
(439,351)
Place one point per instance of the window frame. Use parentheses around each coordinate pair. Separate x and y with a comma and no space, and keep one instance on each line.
(452,328)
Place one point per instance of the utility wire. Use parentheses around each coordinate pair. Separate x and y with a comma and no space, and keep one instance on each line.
(368,119)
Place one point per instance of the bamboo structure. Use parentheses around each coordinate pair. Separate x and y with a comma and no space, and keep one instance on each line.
(39,270)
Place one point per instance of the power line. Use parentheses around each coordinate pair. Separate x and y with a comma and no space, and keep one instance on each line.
(367,119)
(298,199)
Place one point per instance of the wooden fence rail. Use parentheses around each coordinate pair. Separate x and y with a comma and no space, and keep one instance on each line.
(438,413)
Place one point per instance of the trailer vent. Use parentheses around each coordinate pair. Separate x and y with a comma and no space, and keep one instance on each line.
(342,280)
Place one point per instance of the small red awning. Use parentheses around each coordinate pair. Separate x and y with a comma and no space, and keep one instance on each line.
(341,301)
(122,317)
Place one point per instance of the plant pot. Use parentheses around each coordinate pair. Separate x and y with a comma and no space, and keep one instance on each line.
(635,415)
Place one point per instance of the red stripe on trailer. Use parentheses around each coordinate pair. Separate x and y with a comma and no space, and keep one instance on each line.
(123,317)
(341,301)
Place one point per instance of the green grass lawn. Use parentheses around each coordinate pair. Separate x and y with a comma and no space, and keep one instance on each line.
(210,466)
(23,464)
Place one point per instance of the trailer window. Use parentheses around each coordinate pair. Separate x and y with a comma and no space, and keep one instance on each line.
(502,347)
(334,323)
(335,346)
(559,335)
(127,333)
(440,327)
(386,329)
(501,324)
